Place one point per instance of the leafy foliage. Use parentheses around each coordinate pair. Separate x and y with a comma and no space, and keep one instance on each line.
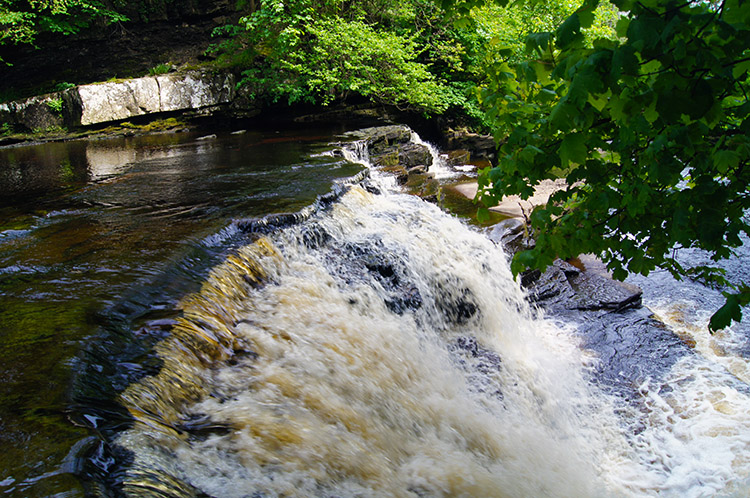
(406,53)
(21,21)
(650,130)
(55,105)
(160,69)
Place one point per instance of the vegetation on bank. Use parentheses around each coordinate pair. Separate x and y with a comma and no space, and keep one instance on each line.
(642,106)
(411,53)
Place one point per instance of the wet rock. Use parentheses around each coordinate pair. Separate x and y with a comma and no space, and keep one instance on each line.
(373,260)
(391,146)
(411,155)
(482,146)
(481,364)
(381,138)
(402,176)
(564,286)
(269,224)
(315,236)
(631,347)
(511,234)
(455,301)
(200,427)
(424,186)
(417,170)
(457,157)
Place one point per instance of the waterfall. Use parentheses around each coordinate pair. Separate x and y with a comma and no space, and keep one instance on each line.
(439,169)
(382,348)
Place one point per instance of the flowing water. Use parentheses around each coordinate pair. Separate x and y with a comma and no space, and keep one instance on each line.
(94,233)
(370,345)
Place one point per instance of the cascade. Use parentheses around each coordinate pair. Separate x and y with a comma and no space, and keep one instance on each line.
(438,169)
(381,347)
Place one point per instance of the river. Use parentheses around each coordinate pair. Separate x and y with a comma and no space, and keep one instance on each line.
(162,338)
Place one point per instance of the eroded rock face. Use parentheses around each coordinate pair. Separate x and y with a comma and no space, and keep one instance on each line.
(114,101)
(105,102)
(117,100)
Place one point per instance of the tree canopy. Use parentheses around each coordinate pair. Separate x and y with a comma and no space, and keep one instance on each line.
(21,21)
(650,130)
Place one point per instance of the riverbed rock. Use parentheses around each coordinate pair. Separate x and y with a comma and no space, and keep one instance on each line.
(457,157)
(480,146)
(391,149)
(511,234)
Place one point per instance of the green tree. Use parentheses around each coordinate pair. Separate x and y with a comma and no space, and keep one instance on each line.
(651,130)
(21,21)
(406,53)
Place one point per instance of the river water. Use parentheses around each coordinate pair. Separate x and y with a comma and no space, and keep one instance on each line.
(160,339)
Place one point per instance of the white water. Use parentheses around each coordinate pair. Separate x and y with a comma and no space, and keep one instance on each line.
(439,169)
(351,395)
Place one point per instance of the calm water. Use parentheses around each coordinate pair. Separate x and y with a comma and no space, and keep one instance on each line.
(86,226)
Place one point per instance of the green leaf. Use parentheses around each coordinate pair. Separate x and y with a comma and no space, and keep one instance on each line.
(724,160)
(483,215)
(573,149)
(739,71)
(569,31)
(724,315)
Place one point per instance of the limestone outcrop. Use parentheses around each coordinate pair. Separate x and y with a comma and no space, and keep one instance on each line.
(118,100)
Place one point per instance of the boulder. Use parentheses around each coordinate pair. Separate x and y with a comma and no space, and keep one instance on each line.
(391,148)
(380,139)
(194,90)
(36,113)
(113,101)
(458,157)
(118,100)
(481,146)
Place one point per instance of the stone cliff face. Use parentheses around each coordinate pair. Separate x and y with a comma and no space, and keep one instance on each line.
(115,101)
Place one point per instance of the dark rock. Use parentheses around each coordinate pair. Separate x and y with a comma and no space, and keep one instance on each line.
(457,157)
(381,138)
(315,236)
(511,234)
(391,146)
(417,170)
(402,176)
(632,347)
(455,301)
(482,146)
(36,113)
(481,364)
(424,186)
(411,155)
(563,286)
(372,260)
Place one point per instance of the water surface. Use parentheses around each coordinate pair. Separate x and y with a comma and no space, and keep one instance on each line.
(87,225)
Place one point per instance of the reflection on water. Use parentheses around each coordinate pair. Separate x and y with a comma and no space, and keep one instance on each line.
(84,224)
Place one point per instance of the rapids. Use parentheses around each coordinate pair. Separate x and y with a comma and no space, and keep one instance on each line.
(377,346)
